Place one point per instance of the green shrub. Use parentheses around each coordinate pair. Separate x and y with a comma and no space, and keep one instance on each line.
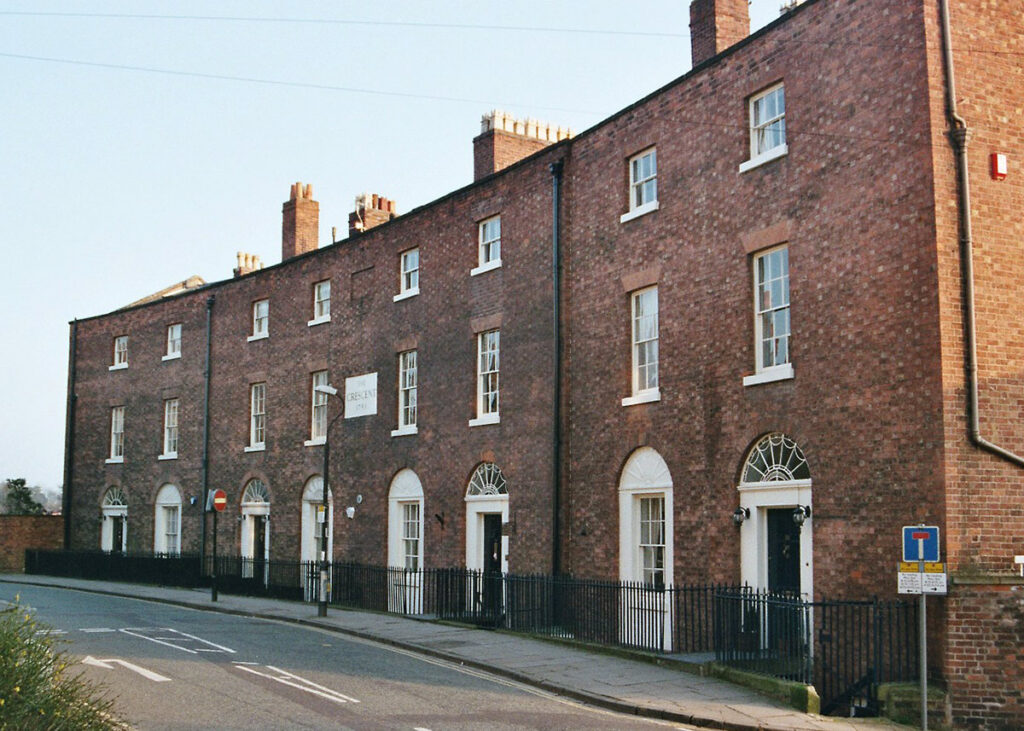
(37,689)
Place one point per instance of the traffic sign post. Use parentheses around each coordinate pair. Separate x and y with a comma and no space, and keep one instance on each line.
(216,501)
(921,547)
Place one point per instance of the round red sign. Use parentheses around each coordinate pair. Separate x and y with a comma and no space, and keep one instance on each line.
(220,500)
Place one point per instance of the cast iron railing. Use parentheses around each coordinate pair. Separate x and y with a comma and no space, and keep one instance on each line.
(844,648)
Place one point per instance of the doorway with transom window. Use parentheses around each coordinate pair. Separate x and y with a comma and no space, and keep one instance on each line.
(256,532)
(646,535)
(405,544)
(486,547)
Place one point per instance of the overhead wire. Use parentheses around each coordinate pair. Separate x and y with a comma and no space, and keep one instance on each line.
(714,123)
(467,26)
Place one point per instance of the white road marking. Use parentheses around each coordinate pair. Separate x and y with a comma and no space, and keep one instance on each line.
(200,639)
(289,679)
(109,663)
(420,728)
(159,642)
(97,629)
(137,632)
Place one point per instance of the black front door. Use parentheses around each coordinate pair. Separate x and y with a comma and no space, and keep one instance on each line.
(491,599)
(259,549)
(783,551)
(117,540)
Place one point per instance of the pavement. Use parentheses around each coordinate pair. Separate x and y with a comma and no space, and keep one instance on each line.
(615,681)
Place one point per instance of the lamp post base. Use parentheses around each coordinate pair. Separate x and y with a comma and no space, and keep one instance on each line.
(321,609)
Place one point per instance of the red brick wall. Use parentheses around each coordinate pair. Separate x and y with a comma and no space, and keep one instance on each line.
(853,201)
(986,655)
(366,333)
(19,532)
(865,199)
(984,493)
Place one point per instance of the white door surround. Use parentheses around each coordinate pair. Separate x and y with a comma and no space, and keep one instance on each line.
(115,513)
(487,494)
(775,475)
(312,500)
(405,488)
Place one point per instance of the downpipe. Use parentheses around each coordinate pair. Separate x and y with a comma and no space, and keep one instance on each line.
(959,135)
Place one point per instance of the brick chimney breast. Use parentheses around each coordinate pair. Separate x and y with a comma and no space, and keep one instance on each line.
(505,140)
(715,25)
(370,211)
(300,222)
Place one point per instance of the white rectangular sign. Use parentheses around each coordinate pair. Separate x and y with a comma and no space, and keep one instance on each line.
(361,395)
(910,583)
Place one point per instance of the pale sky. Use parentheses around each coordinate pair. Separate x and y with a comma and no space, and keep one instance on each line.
(137,151)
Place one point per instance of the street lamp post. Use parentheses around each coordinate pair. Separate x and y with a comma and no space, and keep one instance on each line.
(321,610)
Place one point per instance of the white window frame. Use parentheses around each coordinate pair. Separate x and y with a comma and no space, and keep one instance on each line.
(758,126)
(321,302)
(116,435)
(318,410)
(172,408)
(260,322)
(645,476)
(489,248)
(643,392)
(257,417)
(767,373)
(408,392)
(643,185)
(120,358)
(173,342)
(488,370)
(408,274)
(651,574)
(167,525)
(412,535)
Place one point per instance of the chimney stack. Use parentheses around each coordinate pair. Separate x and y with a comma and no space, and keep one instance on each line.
(371,210)
(300,225)
(504,140)
(715,25)
(247,263)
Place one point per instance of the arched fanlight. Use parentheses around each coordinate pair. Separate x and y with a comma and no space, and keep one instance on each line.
(115,497)
(487,480)
(775,458)
(256,492)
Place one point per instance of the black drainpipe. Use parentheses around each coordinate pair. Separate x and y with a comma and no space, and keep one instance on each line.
(206,431)
(69,437)
(959,136)
(556,431)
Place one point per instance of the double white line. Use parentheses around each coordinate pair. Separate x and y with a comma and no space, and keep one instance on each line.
(294,681)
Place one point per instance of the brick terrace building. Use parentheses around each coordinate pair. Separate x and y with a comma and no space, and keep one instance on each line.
(764,305)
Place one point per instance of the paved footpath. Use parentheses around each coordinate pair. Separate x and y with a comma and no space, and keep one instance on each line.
(618,683)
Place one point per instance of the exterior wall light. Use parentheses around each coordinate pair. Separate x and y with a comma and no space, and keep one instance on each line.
(739,515)
(801,513)
(350,512)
